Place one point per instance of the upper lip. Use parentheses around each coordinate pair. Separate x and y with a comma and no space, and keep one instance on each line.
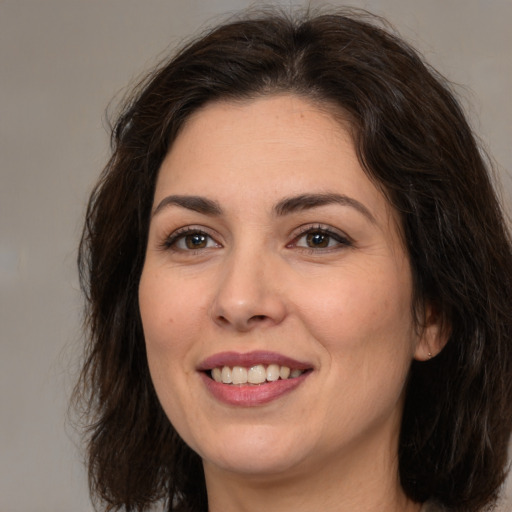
(249,359)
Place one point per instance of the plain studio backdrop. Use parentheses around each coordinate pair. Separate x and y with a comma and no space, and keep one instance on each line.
(61,63)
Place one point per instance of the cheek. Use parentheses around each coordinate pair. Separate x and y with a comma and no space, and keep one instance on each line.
(168,311)
(363,323)
(170,324)
(365,329)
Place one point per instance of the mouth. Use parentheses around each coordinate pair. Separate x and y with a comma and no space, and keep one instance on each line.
(253,378)
(254,375)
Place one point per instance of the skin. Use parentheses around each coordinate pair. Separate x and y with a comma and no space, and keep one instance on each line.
(257,284)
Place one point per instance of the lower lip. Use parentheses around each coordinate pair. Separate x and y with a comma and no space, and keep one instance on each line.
(251,395)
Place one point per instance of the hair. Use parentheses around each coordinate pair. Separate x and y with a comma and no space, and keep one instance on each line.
(413,141)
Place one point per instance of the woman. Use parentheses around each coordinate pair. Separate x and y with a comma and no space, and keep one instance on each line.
(298,281)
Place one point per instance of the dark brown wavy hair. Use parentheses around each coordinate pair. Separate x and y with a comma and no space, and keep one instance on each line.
(414,142)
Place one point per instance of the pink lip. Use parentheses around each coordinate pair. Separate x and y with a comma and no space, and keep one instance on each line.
(247,395)
(250,359)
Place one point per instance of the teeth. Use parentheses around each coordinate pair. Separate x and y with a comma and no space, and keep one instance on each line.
(239,374)
(226,375)
(256,374)
(284,372)
(217,374)
(272,372)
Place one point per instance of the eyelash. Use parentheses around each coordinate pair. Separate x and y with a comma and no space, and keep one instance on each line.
(170,243)
(342,241)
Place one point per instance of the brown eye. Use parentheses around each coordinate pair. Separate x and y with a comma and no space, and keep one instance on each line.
(317,240)
(190,240)
(196,241)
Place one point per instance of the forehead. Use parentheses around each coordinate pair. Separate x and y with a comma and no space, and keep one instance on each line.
(278,145)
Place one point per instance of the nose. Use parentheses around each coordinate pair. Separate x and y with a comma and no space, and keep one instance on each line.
(248,294)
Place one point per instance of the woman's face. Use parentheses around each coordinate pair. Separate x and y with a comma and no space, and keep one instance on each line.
(273,258)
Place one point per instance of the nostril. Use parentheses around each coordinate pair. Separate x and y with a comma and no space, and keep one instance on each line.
(223,319)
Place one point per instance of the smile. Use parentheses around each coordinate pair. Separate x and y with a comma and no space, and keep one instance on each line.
(252,379)
(255,375)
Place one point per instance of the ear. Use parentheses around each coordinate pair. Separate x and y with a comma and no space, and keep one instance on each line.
(434,334)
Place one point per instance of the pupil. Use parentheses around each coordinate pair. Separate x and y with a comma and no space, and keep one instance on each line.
(318,240)
(196,241)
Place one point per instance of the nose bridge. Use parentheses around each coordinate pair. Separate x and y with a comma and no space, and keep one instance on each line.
(247,293)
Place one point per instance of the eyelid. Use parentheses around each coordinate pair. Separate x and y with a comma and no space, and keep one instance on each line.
(169,241)
(341,237)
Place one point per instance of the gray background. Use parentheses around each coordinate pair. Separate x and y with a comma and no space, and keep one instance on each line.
(61,62)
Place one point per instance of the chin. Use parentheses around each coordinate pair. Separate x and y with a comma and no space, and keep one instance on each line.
(256,452)
(257,465)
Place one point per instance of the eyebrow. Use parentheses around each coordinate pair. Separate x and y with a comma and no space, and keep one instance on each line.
(309,201)
(195,203)
(284,207)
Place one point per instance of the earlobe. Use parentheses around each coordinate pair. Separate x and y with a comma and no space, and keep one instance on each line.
(435,333)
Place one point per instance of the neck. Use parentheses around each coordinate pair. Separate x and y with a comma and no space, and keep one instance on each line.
(367,483)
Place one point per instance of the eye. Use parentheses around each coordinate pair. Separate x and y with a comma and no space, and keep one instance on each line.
(320,238)
(188,239)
